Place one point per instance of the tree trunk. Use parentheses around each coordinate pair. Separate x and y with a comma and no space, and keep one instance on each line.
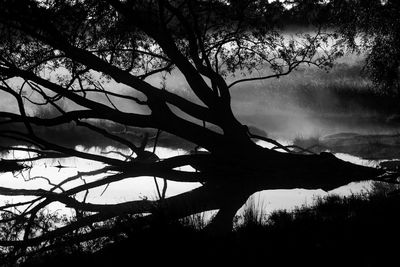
(222,223)
(233,178)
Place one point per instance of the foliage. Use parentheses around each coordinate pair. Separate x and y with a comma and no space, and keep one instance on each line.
(71,55)
(373,26)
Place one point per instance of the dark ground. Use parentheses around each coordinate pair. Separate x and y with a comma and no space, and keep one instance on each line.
(351,231)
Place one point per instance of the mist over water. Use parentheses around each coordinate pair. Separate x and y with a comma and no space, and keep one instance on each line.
(312,103)
(307,103)
(144,188)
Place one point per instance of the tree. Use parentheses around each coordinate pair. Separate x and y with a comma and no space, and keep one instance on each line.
(54,51)
(372,27)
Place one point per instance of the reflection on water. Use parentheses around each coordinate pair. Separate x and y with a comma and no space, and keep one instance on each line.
(125,190)
(144,187)
(270,200)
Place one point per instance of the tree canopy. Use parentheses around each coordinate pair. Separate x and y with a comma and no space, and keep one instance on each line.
(373,27)
(66,55)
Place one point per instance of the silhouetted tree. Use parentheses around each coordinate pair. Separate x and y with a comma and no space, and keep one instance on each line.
(75,50)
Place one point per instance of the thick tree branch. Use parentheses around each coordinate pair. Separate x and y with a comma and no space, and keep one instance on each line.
(159,32)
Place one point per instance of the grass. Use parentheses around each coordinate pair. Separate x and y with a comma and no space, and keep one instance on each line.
(252,215)
(358,230)
(70,135)
(343,89)
(312,143)
(368,146)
